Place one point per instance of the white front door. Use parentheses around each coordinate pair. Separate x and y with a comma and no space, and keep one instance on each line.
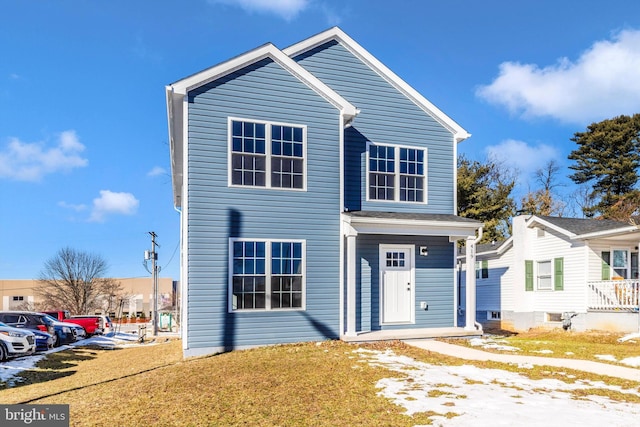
(396,287)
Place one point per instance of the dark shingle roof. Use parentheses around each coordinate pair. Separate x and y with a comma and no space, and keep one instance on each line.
(581,226)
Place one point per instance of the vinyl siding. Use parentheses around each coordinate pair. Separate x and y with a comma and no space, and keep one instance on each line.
(546,248)
(216,212)
(386,117)
(489,294)
(433,275)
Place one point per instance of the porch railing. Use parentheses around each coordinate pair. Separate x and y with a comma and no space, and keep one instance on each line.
(614,295)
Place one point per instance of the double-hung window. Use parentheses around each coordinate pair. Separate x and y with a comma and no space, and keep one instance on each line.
(544,275)
(396,173)
(266,154)
(267,274)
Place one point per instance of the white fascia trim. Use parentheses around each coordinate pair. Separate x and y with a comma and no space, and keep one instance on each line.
(266,51)
(412,227)
(534,220)
(507,244)
(337,34)
(607,233)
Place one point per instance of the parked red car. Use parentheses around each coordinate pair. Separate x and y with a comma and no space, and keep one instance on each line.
(91,324)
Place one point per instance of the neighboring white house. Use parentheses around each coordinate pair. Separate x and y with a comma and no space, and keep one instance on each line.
(554,270)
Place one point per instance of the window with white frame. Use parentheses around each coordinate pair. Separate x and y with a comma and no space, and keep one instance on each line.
(396,173)
(621,263)
(267,154)
(544,275)
(18,298)
(267,274)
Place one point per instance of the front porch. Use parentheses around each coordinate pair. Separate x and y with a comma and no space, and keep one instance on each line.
(408,334)
(613,295)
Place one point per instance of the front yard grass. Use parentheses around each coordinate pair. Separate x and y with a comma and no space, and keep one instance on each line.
(308,384)
(563,344)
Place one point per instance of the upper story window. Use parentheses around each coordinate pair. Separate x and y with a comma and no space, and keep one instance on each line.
(396,173)
(266,154)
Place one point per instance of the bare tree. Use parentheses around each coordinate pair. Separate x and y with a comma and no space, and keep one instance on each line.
(585,199)
(543,201)
(74,281)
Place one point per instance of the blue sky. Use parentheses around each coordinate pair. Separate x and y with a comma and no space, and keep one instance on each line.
(84,157)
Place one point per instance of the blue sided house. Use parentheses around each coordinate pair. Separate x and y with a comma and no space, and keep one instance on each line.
(317,194)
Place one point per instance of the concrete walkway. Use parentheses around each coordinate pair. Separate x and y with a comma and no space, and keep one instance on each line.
(467,353)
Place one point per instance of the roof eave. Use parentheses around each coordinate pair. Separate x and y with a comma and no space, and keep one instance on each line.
(335,33)
(533,220)
(174,119)
(607,233)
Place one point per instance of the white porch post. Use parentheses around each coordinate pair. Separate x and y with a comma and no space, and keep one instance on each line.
(351,282)
(470,295)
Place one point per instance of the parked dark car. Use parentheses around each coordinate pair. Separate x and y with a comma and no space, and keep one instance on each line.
(44,341)
(61,333)
(77,331)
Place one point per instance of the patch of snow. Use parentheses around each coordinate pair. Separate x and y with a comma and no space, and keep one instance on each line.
(492,344)
(607,357)
(542,351)
(495,397)
(632,361)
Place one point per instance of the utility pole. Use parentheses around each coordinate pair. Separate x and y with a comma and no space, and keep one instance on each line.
(153,256)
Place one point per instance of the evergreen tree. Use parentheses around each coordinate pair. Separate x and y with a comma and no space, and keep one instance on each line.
(608,155)
(484,194)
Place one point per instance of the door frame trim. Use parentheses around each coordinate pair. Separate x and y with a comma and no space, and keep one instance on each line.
(383,247)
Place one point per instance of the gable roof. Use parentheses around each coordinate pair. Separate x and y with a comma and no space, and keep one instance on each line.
(583,228)
(336,34)
(177,91)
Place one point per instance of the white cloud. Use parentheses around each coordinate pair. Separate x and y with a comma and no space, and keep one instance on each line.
(157,171)
(521,156)
(111,202)
(603,82)
(23,161)
(287,9)
(77,208)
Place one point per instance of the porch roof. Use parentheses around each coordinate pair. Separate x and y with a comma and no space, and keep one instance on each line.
(411,223)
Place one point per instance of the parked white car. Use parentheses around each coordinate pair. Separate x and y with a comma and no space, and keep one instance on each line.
(16,342)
